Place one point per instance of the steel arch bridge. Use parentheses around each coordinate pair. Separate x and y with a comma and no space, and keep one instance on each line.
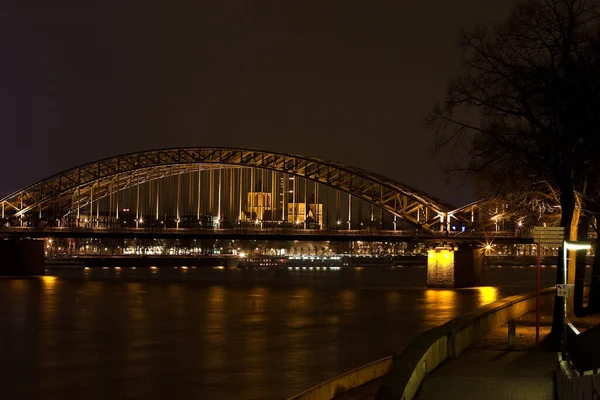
(80,187)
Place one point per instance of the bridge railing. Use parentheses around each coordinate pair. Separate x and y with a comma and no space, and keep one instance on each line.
(269,230)
(216,231)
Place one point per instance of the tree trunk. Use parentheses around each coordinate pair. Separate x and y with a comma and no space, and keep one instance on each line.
(580,261)
(567,202)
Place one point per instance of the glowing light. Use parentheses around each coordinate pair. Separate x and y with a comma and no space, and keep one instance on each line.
(257,222)
(141,220)
(49,280)
(339,222)
(577,246)
(50,241)
(487,294)
(520,223)
(488,248)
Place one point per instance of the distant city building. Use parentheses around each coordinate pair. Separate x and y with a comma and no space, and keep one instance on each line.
(311,213)
(259,206)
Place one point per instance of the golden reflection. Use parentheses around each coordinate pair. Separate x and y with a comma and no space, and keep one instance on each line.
(216,298)
(136,304)
(440,305)
(255,338)
(300,299)
(49,281)
(487,294)
(49,305)
(256,305)
(215,327)
(94,288)
(347,298)
(445,297)
(18,284)
(177,300)
(392,298)
(258,298)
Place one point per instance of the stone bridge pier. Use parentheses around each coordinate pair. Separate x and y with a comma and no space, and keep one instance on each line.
(450,267)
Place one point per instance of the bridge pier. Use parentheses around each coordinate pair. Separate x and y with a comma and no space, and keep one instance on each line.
(451,268)
(21,257)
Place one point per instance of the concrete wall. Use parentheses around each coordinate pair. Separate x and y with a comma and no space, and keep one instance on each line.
(571,386)
(349,380)
(432,347)
(21,257)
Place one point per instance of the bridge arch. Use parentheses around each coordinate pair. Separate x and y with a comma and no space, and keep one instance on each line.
(99,179)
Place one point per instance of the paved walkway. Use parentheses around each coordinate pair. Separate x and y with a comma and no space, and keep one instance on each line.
(490,370)
(493,374)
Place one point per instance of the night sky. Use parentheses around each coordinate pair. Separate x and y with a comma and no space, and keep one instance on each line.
(343,80)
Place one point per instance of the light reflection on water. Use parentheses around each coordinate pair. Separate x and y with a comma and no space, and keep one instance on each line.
(216,334)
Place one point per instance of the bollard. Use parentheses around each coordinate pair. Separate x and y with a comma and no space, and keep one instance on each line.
(512,333)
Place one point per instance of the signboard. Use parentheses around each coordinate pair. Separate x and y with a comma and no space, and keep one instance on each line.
(550,236)
(563,290)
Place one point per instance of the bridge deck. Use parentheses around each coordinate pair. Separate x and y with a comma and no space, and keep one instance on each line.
(266,234)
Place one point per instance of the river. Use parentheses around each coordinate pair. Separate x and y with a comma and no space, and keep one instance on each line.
(217,333)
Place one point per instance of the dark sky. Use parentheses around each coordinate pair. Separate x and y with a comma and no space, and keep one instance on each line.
(343,80)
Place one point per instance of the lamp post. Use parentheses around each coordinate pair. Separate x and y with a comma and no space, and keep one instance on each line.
(564,290)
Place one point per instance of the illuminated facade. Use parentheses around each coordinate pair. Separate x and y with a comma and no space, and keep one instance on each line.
(440,268)
(258,204)
(302,212)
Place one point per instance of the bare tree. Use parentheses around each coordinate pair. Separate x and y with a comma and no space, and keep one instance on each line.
(532,83)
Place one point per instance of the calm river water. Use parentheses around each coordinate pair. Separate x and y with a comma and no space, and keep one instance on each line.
(216,334)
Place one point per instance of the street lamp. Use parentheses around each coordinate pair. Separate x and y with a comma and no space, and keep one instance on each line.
(568,246)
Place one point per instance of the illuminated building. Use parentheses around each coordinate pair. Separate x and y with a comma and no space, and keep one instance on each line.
(258,203)
(305,212)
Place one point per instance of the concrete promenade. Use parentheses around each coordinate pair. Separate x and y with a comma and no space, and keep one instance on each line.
(489,369)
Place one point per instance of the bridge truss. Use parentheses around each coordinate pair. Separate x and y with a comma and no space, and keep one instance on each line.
(212,180)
